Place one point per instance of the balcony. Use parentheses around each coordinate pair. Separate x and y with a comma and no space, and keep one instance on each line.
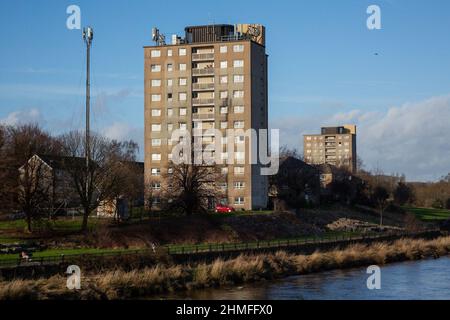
(203,57)
(203,116)
(202,102)
(202,86)
(203,72)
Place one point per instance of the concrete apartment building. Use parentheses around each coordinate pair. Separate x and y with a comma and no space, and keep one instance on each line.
(335,146)
(214,77)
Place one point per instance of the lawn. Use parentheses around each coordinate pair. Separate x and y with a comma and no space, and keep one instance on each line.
(429,214)
(66,252)
(177,247)
(61,224)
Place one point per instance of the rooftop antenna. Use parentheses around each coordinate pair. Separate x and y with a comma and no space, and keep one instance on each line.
(88,36)
(157,37)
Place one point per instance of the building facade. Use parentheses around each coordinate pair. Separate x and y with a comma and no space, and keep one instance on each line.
(214,78)
(334,146)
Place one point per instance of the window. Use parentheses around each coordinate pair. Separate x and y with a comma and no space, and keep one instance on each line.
(182,51)
(156,97)
(169,67)
(182,66)
(238,78)
(224,170)
(169,82)
(156,172)
(223,124)
(308,138)
(156,185)
(156,142)
(238,48)
(239,170)
(223,79)
(169,96)
(156,112)
(183,126)
(155,68)
(169,112)
(156,53)
(239,200)
(182,81)
(169,127)
(239,124)
(238,94)
(170,170)
(169,52)
(223,185)
(223,94)
(239,155)
(223,110)
(182,96)
(239,139)
(156,200)
(223,49)
(156,156)
(224,155)
(183,111)
(156,83)
(238,63)
(223,64)
(156,127)
(239,185)
(238,109)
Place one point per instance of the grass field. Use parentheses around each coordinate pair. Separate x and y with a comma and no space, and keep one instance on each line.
(179,248)
(61,224)
(59,252)
(429,214)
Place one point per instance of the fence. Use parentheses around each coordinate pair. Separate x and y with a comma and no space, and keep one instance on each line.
(175,250)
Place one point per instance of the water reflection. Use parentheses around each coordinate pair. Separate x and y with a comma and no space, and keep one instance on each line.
(419,280)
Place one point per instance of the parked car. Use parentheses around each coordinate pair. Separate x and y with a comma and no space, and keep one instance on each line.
(221,208)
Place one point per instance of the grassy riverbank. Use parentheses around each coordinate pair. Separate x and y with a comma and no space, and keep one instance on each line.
(165,278)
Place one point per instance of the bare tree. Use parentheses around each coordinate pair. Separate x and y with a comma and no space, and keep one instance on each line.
(133,184)
(104,178)
(191,188)
(380,197)
(34,193)
(18,144)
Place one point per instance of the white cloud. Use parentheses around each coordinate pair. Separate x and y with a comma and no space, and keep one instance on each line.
(23,116)
(413,139)
(123,131)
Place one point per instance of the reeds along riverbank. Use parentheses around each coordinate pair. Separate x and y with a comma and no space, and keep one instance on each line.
(141,283)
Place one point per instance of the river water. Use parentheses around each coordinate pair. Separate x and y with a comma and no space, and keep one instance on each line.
(418,280)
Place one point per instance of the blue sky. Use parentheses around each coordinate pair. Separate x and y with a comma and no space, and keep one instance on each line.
(323,69)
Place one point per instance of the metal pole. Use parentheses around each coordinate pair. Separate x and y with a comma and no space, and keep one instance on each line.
(88,98)
(88,35)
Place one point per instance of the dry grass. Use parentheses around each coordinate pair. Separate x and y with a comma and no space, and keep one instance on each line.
(119,284)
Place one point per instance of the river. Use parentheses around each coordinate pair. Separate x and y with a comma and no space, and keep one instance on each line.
(417,280)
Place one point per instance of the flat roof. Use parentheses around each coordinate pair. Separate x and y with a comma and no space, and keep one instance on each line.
(203,43)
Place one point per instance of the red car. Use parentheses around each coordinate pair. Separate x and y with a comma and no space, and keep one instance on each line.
(221,208)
